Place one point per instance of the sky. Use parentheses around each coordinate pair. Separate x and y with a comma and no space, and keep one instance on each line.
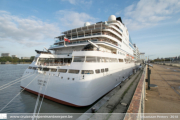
(29,25)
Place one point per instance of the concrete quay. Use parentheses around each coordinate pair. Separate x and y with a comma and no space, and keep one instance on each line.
(118,100)
(133,99)
(166,97)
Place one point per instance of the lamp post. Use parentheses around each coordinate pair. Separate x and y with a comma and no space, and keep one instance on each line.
(149,72)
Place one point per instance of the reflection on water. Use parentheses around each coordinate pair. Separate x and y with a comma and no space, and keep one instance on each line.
(26,101)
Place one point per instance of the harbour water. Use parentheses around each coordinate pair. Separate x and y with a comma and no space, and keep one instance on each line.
(25,102)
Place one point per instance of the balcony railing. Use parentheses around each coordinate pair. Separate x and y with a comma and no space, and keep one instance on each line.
(83,42)
(56,41)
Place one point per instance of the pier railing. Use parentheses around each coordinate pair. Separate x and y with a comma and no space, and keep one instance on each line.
(137,104)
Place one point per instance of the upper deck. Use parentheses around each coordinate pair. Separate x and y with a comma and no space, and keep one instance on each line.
(111,36)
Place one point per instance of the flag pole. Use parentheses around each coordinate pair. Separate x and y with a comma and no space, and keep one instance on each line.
(64,43)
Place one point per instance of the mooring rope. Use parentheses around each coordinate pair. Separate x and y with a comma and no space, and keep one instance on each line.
(15,82)
(43,97)
(18,93)
(37,101)
(10,70)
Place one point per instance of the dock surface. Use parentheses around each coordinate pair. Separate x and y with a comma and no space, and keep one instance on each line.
(165,98)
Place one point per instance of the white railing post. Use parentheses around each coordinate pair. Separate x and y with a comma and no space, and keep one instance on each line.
(101,28)
(76,32)
(71,34)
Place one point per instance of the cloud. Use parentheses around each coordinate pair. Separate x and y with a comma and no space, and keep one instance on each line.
(27,31)
(72,19)
(71,1)
(178,21)
(118,13)
(1,47)
(75,2)
(148,13)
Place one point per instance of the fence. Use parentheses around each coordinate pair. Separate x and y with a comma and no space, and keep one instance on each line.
(137,104)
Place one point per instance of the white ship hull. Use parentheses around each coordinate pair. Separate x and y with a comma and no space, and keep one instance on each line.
(78,92)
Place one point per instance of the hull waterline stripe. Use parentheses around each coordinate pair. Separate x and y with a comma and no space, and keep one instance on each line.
(53,99)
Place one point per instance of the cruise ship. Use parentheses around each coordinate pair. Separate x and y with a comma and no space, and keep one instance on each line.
(83,64)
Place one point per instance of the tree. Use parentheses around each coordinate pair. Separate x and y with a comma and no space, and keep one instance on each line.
(32,58)
(5,59)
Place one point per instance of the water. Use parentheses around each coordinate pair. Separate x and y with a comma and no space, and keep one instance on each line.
(25,102)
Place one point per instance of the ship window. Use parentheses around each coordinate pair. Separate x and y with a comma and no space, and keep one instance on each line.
(106,69)
(62,70)
(87,72)
(107,60)
(87,34)
(94,40)
(34,68)
(113,60)
(42,59)
(45,69)
(74,71)
(90,59)
(82,41)
(79,58)
(120,60)
(81,36)
(30,67)
(53,70)
(103,59)
(98,59)
(39,68)
(102,70)
(97,71)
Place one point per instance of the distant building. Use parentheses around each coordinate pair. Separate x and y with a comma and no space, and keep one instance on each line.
(25,58)
(142,56)
(5,54)
(136,52)
(14,56)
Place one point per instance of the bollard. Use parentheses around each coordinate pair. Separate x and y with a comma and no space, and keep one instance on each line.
(149,72)
(93,110)
(134,71)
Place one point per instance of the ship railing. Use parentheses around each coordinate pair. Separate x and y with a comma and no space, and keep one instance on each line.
(87,29)
(85,41)
(53,64)
(93,50)
(73,37)
(76,42)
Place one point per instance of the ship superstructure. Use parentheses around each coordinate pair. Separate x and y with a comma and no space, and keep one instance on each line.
(78,72)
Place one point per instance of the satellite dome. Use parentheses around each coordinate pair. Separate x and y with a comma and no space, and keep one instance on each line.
(112,18)
(87,24)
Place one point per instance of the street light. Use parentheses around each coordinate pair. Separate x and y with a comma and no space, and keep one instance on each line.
(149,72)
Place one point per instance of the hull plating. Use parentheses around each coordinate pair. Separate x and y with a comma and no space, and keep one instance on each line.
(83,90)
